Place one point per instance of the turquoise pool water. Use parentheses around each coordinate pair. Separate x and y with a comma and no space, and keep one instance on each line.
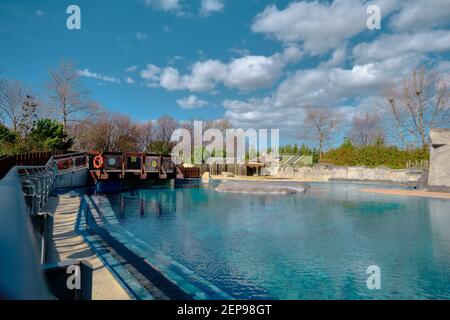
(316,245)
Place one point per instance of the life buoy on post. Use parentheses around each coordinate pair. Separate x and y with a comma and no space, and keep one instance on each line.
(98,162)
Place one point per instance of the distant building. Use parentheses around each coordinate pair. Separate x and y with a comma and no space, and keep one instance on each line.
(267,165)
(264,165)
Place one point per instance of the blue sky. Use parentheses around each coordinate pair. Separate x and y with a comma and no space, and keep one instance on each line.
(255,62)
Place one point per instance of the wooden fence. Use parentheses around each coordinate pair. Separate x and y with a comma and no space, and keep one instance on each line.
(191,173)
(36,158)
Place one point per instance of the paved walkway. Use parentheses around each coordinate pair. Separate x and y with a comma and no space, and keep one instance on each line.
(69,245)
(409,193)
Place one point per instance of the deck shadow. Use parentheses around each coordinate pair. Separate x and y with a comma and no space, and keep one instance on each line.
(157,284)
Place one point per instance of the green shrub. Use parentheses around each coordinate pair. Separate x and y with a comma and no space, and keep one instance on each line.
(375,155)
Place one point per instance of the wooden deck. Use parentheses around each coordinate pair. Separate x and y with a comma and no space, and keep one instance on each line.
(132,165)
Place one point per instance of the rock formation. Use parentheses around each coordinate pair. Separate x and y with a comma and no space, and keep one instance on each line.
(259,187)
(439,172)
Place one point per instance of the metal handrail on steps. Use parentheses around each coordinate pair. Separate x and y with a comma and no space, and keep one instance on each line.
(38,181)
(24,191)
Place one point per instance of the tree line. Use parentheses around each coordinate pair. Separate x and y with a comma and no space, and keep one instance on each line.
(67,118)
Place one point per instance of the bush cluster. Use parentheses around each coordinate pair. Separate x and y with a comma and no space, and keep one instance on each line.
(375,155)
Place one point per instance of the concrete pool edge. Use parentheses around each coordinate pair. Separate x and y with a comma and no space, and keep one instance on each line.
(69,244)
(409,193)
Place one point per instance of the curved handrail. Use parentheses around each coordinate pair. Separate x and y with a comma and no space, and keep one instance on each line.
(24,191)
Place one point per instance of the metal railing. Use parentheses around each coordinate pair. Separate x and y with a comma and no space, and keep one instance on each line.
(38,181)
(26,230)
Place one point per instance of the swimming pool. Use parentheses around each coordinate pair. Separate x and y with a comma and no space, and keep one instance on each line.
(316,245)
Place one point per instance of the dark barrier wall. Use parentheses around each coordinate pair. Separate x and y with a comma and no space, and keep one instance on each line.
(20,271)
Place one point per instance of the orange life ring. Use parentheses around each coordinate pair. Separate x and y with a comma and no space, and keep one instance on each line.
(98,161)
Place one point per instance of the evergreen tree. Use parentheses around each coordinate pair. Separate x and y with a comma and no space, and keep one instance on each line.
(49,135)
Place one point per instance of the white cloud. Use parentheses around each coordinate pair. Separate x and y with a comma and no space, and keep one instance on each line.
(337,57)
(252,72)
(397,44)
(210,6)
(131,69)
(333,86)
(164,5)
(204,77)
(347,90)
(318,25)
(261,113)
(88,74)
(191,102)
(39,13)
(151,73)
(129,80)
(141,36)
(170,79)
(420,14)
(255,72)
(245,73)
(240,51)
(182,8)
(174,60)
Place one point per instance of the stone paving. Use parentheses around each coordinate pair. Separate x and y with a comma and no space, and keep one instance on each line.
(68,245)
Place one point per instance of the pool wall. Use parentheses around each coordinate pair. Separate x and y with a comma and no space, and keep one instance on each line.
(330,173)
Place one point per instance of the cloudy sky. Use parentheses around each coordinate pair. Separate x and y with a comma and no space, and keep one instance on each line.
(255,62)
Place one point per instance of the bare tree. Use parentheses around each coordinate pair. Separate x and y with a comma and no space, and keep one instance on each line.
(320,124)
(419,104)
(221,124)
(13,95)
(164,128)
(145,135)
(125,134)
(366,129)
(28,116)
(108,132)
(67,95)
